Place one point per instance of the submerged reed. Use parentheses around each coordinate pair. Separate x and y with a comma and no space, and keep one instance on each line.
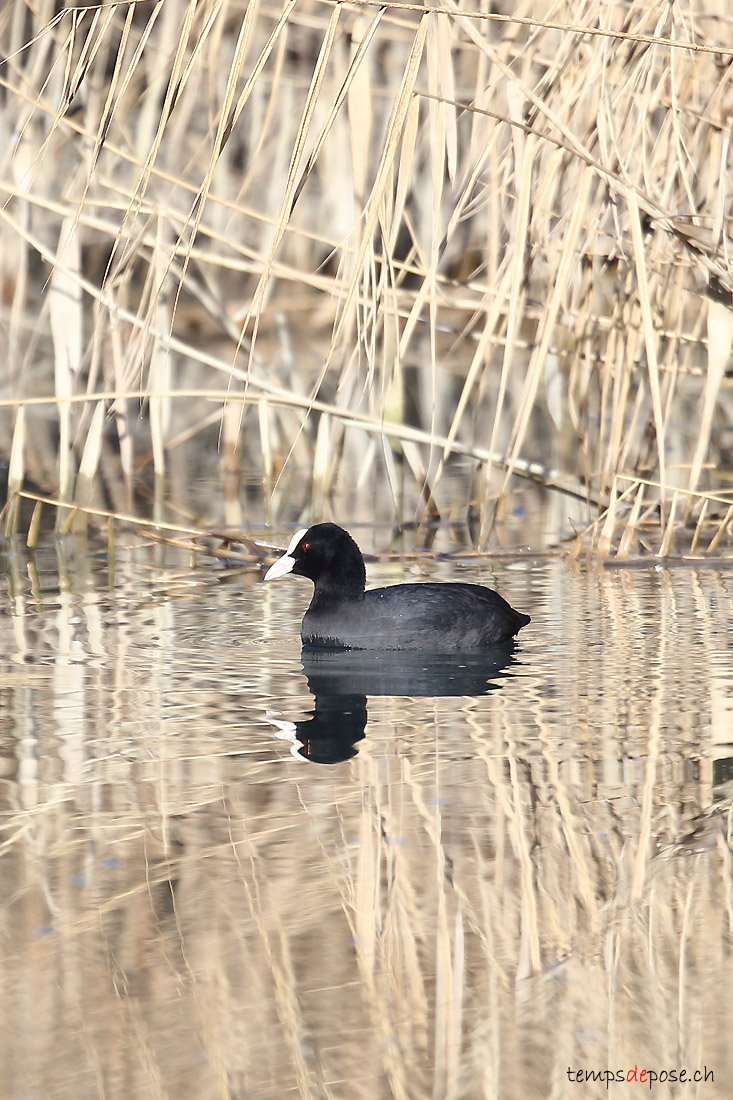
(418,240)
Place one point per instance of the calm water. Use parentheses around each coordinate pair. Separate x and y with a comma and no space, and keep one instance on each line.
(227,876)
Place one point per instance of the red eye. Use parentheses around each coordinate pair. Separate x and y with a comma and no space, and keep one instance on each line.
(305,546)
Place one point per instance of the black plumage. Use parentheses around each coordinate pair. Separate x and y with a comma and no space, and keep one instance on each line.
(430,616)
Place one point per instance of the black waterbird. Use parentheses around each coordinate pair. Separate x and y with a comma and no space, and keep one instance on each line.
(431,616)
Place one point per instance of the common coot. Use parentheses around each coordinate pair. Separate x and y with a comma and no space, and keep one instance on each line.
(431,617)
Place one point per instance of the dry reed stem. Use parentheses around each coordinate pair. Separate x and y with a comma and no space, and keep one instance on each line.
(16,468)
(720,342)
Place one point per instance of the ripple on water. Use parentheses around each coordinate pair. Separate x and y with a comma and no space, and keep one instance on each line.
(516,874)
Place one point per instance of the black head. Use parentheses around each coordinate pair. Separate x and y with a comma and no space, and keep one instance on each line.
(328,556)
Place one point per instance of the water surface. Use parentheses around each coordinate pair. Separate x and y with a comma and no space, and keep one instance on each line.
(523,871)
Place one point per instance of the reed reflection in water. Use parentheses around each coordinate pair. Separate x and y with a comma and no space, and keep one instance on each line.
(496,887)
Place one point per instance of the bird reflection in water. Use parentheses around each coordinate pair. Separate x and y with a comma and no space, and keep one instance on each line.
(341,679)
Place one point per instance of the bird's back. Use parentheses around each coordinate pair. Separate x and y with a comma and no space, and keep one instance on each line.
(432,616)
